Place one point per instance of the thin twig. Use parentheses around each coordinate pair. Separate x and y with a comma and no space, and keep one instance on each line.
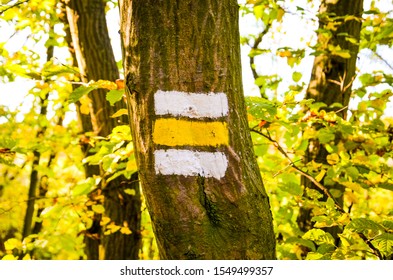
(257,41)
(384,60)
(12,6)
(371,246)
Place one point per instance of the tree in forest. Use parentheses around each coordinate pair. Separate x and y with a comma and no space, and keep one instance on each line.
(333,73)
(194,152)
(96,61)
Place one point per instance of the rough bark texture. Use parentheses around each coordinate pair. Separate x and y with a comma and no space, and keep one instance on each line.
(96,61)
(193,46)
(332,77)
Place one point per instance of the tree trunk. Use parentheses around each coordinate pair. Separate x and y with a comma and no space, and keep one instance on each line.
(332,77)
(34,178)
(96,61)
(196,163)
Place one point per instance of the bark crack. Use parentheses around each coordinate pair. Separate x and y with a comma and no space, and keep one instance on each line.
(207,203)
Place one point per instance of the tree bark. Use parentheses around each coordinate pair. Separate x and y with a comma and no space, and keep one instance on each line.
(96,61)
(332,77)
(177,48)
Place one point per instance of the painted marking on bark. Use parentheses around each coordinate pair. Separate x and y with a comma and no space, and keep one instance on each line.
(190,163)
(209,131)
(192,105)
(173,132)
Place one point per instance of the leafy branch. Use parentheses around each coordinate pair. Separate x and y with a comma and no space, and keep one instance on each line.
(296,168)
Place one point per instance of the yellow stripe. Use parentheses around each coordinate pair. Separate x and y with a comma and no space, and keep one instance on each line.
(173,132)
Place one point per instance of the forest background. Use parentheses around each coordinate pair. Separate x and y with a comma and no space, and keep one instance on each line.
(46,202)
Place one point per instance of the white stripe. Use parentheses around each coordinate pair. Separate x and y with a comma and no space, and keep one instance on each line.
(190,163)
(192,105)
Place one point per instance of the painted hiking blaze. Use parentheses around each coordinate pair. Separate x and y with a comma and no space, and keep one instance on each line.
(189,124)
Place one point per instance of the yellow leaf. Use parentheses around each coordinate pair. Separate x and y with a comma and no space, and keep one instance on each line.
(58,129)
(333,159)
(280,14)
(131,165)
(320,176)
(104,221)
(129,191)
(332,25)
(104,84)
(285,53)
(352,185)
(125,230)
(343,54)
(315,164)
(11,244)
(120,113)
(9,258)
(112,227)
(343,219)
(99,209)
(85,105)
(26,257)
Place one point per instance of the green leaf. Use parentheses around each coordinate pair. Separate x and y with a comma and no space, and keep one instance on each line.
(304,242)
(79,92)
(114,96)
(388,225)
(56,70)
(289,182)
(326,249)
(325,135)
(261,108)
(352,172)
(365,226)
(296,76)
(314,256)
(84,187)
(384,243)
(292,188)
(7,143)
(319,237)
(386,185)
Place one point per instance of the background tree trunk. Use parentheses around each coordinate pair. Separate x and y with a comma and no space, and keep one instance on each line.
(96,61)
(34,176)
(332,77)
(193,47)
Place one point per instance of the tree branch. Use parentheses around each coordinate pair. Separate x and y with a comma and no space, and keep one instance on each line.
(383,60)
(257,41)
(371,246)
(12,6)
